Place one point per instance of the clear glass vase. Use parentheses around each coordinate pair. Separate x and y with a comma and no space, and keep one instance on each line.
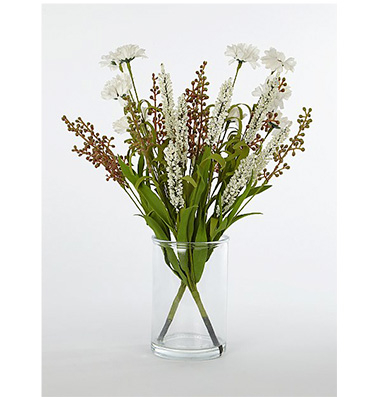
(189,299)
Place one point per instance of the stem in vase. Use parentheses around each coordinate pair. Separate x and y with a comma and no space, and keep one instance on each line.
(196,296)
(172,311)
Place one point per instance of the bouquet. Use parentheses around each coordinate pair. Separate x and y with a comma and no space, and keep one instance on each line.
(192,166)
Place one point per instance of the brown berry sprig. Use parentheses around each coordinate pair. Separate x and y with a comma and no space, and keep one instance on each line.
(97,149)
(296,144)
(255,144)
(282,84)
(198,113)
(156,112)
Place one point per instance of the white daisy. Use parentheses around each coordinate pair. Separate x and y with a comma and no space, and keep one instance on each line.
(120,126)
(117,87)
(243,53)
(219,113)
(125,53)
(277,61)
(109,61)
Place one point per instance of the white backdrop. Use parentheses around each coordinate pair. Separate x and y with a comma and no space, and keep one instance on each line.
(97,256)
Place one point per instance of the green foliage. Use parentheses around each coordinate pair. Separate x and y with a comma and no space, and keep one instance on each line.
(197,221)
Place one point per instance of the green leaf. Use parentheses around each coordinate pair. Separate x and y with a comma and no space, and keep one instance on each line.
(244,152)
(200,253)
(146,193)
(198,191)
(173,262)
(156,204)
(169,255)
(127,172)
(140,180)
(205,155)
(159,232)
(190,180)
(202,173)
(239,144)
(238,217)
(218,158)
(220,229)
(212,229)
(256,190)
(140,165)
(186,218)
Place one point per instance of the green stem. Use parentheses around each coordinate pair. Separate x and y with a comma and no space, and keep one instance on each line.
(133,200)
(196,296)
(238,69)
(172,311)
(133,81)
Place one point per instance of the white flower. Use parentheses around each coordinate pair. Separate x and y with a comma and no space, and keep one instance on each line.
(109,61)
(243,53)
(125,53)
(266,103)
(176,155)
(174,169)
(238,181)
(116,87)
(280,95)
(120,126)
(181,133)
(219,113)
(277,61)
(166,91)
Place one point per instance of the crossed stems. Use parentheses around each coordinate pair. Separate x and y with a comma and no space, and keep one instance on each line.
(196,296)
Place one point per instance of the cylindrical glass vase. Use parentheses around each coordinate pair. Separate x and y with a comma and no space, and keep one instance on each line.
(189,314)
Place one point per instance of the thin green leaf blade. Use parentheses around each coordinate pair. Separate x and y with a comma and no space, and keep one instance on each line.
(238,217)
(200,252)
(190,180)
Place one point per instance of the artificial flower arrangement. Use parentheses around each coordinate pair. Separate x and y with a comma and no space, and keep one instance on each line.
(192,167)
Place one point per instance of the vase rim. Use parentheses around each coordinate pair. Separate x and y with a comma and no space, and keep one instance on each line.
(222,240)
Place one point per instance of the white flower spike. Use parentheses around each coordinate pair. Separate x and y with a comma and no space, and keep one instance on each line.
(181,135)
(174,169)
(243,53)
(238,181)
(277,61)
(166,90)
(266,103)
(219,113)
